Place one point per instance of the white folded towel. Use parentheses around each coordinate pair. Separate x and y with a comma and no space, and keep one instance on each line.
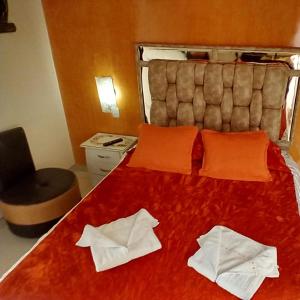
(120,241)
(236,263)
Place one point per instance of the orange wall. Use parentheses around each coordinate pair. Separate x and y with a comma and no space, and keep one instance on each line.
(97,37)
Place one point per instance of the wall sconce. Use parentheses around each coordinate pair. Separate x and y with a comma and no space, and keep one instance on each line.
(107,95)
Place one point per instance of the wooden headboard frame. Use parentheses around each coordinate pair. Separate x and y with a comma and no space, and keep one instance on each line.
(216,95)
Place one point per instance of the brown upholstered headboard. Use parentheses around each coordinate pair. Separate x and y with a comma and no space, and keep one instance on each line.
(219,96)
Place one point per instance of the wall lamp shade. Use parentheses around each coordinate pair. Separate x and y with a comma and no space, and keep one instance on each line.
(107,95)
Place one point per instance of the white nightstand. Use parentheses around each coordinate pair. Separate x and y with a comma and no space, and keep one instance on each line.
(100,159)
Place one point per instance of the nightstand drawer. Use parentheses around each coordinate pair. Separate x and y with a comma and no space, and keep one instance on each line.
(101,161)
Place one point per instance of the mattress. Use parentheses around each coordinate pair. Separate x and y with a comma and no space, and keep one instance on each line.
(186,206)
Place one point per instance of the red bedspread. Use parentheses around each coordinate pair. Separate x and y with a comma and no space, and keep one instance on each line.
(186,206)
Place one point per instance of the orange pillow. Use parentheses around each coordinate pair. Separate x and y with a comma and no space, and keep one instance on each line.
(235,155)
(164,148)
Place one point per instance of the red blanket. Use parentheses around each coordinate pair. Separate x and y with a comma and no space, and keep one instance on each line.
(186,206)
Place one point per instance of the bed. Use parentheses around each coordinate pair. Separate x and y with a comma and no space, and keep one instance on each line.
(185,205)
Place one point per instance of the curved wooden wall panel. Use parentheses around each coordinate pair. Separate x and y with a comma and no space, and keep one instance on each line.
(97,37)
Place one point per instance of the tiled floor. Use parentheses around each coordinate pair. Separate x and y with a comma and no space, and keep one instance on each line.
(13,247)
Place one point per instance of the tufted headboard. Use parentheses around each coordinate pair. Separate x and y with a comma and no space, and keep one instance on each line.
(219,96)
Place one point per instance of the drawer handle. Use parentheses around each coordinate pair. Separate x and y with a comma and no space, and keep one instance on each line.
(104,170)
(102,156)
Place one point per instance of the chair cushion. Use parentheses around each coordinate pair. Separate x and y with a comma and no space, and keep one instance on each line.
(39,187)
(15,157)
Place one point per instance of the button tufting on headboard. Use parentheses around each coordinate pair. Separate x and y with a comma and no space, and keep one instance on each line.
(225,97)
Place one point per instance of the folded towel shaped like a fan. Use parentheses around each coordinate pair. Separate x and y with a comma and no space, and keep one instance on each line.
(236,263)
(120,241)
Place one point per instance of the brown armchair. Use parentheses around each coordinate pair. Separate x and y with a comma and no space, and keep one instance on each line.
(32,201)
